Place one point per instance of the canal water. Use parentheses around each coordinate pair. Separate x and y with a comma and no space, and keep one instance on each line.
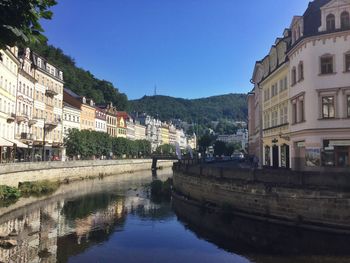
(116,220)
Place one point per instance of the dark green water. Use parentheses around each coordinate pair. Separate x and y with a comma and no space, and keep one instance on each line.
(115,220)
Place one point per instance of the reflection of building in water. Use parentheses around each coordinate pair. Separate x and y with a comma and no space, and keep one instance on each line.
(37,231)
(36,236)
(103,219)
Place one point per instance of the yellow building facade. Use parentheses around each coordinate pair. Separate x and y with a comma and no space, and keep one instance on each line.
(87,115)
(165,135)
(275,113)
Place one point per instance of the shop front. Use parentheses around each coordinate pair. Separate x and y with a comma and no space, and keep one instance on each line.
(336,153)
(6,151)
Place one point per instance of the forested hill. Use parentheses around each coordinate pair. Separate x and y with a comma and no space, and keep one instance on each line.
(203,111)
(82,81)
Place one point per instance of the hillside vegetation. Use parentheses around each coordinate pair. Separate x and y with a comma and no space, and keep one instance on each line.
(201,111)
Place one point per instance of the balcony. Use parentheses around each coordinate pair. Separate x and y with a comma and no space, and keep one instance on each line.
(50,92)
(21,117)
(28,136)
(11,118)
(52,124)
(32,122)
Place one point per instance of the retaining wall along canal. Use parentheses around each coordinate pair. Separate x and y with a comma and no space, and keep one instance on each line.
(306,205)
(12,174)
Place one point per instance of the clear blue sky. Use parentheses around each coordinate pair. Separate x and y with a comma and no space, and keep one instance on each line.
(187,48)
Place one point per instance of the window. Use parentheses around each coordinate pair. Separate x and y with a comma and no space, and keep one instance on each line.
(274,90)
(267,121)
(295,112)
(294,76)
(274,121)
(330,22)
(328,110)
(345,20)
(348,105)
(266,94)
(301,110)
(284,114)
(301,71)
(327,65)
(347,62)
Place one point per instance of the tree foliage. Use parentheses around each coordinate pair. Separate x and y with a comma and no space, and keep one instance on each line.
(227,149)
(89,144)
(81,81)
(166,149)
(20,21)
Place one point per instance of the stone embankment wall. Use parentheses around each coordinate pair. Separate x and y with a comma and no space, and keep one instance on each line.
(12,174)
(293,203)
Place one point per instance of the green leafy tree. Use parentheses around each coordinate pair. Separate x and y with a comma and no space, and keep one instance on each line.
(220,148)
(20,21)
(166,149)
(205,141)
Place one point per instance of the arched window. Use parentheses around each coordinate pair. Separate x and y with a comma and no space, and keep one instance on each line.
(330,20)
(345,20)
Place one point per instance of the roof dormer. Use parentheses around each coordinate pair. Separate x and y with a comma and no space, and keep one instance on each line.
(297,28)
(335,16)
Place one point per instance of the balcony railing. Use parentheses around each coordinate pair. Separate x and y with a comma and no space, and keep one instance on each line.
(32,122)
(52,124)
(22,117)
(11,118)
(28,136)
(51,92)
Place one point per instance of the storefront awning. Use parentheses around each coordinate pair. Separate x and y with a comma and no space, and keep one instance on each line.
(5,143)
(18,143)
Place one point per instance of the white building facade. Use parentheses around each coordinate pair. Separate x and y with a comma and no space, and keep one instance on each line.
(9,65)
(71,118)
(320,88)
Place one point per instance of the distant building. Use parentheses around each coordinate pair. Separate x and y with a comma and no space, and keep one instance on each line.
(71,118)
(122,116)
(164,130)
(181,138)
(87,107)
(111,118)
(192,141)
(130,128)
(153,129)
(172,134)
(240,137)
(100,120)
(140,131)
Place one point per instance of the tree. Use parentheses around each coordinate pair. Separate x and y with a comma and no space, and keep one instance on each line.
(20,21)
(166,149)
(220,148)
(205,141)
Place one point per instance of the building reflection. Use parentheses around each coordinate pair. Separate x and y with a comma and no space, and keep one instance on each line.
(45,232)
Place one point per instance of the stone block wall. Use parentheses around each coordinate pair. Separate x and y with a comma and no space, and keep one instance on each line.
(12,174)
(294,204)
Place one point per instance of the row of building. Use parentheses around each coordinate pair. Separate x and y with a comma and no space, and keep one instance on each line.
(37,112)
(299,108)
